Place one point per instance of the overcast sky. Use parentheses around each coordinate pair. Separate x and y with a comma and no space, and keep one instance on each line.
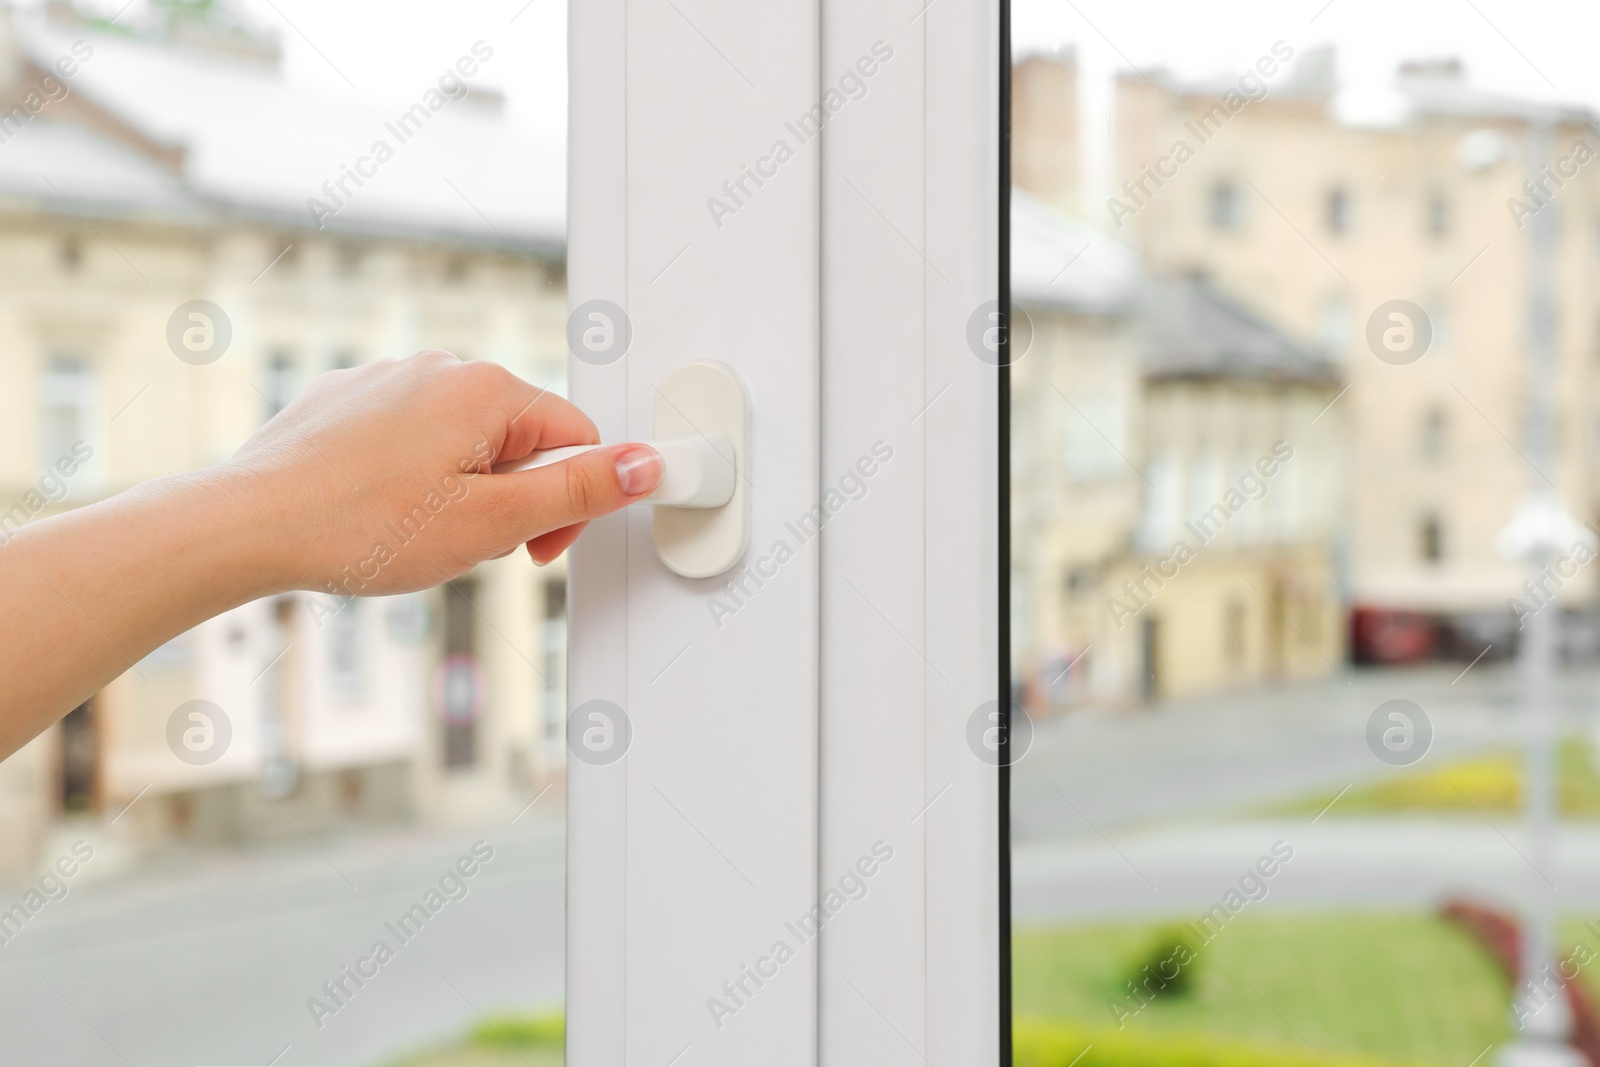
(1537,48)
(1540,48)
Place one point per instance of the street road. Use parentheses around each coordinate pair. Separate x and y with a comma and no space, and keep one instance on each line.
(212,962)
(1225,754)
(211,957)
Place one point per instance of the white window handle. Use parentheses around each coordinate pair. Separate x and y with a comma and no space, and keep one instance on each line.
(697,470)
(701,521)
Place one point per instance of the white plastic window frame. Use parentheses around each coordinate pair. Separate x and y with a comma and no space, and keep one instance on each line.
(798,766)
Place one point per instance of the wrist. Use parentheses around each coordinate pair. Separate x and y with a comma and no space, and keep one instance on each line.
(246,519)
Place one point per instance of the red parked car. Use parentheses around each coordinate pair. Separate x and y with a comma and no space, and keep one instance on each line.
(1384,635)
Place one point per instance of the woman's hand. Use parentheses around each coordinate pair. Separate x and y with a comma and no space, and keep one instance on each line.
(377,478)
(375,481)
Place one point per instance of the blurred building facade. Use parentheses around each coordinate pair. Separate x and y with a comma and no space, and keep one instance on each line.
(1177,493)
(1178,349)
(1317,224)
(141,172)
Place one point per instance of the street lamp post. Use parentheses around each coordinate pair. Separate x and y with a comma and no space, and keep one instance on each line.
(1540,1008)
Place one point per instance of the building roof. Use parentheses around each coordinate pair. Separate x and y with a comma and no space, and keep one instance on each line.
(1188,328)
(1310,77)
(1429,88)
(214,133)
(1059,262)
(69,165)
(1192,330)
(1440,89)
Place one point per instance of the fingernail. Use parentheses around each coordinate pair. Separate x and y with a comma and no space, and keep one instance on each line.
(638,470)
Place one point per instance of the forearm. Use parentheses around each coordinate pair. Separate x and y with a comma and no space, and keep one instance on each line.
(85,595)
(366,462)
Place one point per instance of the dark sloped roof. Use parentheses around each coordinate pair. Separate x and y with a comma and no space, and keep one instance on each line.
(1192,330)
(244,140)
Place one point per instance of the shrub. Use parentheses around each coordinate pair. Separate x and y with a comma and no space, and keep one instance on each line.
(1166,968)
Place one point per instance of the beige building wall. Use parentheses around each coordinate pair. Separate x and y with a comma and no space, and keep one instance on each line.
(1109,467)
(1075,409)
(1425,219)
(1234,620)
(1044,120)
(1259,601)
(83,321)
(1327,284)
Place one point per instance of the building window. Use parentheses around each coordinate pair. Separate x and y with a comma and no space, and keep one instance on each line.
(555,665)
(78,770)
(1333,326)
(1337,210)
(1163,498)
(1205,484)
(1247,523)
(1441,321)
(1233,623)
(1079,582)
(347,659)
(1434,440)
(282,695)
(66,407)
(460,639)
(1093,432)
(349,260)
(287,256)
(1224,206)
(1150,654)
(1430,539)
(1284,500)
(280,382)
(1309,608)
(1436,216)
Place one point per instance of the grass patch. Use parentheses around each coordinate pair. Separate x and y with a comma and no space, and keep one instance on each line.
(545,1030)
(1343,990)
(1394,987)
(472,1055)
(1048,1044)
(533,1040)
(1491,782)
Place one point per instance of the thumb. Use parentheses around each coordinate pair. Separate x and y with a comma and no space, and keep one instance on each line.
(534,502)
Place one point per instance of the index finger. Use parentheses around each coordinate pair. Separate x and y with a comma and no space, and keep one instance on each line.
(538,419)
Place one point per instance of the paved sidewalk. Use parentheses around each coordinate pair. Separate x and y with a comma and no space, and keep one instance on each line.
(1230,754)
(1343,864)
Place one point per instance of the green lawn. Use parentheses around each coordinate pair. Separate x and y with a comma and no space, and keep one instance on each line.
(1397,987)
(1269,990)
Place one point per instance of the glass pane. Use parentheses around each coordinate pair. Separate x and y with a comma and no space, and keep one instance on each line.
(316,829)
(1303,452)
